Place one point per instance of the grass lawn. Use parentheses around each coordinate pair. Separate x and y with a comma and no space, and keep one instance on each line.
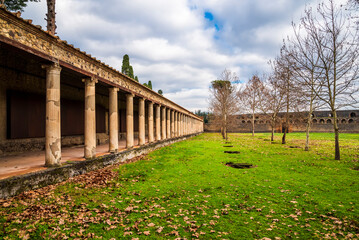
(186,191)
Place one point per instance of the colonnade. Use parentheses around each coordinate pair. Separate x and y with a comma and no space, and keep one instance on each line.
(172,124)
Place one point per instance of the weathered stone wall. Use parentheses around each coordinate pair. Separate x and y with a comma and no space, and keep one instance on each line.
(16,185)
(348,122)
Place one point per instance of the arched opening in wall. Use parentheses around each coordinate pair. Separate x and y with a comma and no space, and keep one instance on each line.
(329,121)
(344,121)
(243,121)
(330,114)
(313,115)
(352,114)
(257,117)
(315,121)
(248,121)
(261,122)
(321,121)
(267,121)
(290,116)
(255,121)
(350,121)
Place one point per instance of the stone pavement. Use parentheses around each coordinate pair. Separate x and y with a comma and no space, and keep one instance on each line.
(22,163)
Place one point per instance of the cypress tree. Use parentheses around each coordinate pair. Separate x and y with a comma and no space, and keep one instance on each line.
(149,84)
(125,65)
(130,74)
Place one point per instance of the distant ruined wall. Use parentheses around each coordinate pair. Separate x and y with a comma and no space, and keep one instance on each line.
(348,121)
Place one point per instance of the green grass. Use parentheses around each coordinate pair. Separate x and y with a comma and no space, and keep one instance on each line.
(186,191)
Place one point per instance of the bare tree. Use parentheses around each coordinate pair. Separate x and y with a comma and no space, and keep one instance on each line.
(306,73)
(249,96)
(223,102)
(336,45)
(271,101)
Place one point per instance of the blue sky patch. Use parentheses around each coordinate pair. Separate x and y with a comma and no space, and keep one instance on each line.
(208,15)
(212,21)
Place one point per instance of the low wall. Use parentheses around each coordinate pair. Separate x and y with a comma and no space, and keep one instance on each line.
(18,184)
(11,146)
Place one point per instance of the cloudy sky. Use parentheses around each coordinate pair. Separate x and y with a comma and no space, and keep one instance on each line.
(180,45)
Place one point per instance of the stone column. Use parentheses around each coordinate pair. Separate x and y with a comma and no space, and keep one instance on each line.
(180,124)
(141,121)
(150,122)
(163,123)
(158,122)
(113,119)
(53,116)
(168,123)
(184,125)
(129,120)
(187,125)
(90,118)
(190,125)
(172,124)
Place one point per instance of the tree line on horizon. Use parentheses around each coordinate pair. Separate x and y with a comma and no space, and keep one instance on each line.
(316,68)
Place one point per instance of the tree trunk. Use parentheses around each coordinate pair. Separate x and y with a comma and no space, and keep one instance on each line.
(285,133)
(51,24)
(336,130)
(272,137)
(253,125)
(307,131)
(286,118)
(309,122)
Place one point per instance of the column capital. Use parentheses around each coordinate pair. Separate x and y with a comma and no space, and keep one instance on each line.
(51,67)
(113,89)
(91,81)
(130,94)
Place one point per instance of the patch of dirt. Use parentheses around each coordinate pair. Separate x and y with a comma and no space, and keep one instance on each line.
(294,146)
(228,146)
(232,152)
(240,165)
